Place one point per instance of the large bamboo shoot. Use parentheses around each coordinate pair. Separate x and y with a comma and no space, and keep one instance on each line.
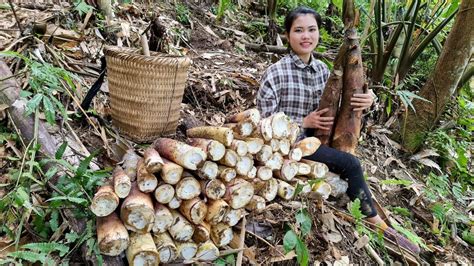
(217,209)
(186,250)
(153,161)
(130,161)
(164,193)
(239,193)
(213,189)
(207,251)
(308,145)
(252,115)
(221,234)
(202,233)
(208,170)
(225,173)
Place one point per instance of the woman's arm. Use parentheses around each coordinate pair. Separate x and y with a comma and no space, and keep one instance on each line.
(267,97)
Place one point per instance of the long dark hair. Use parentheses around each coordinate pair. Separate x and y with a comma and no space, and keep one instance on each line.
(295,13)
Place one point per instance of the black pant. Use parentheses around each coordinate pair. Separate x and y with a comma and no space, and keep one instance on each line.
(349,169)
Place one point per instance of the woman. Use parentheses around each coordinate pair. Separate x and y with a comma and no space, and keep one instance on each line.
(294,85)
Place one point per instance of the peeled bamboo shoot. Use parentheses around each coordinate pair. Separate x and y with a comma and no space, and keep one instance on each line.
(213,189)
(171,172)
(308,145)
(188,188)
(208,170)
(194,210)
(214,149)
(146,181)
(105,201)
(207,251)
(181,153)
(142,250)
(181,229)
(137,211)
(153,161)
(122,184)
(112,236)
(221,234)
(163,218)
(239,193)
(216,211)
(222,134)
(165,246)
(164,193)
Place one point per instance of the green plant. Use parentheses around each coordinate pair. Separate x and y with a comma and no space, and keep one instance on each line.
(46,82)
(221,8)
(229,260)
(294,241)
(410,34)
(81,7)
(182,13)
(37,252)
(402,182)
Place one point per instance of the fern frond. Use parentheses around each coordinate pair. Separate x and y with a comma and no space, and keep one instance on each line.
(48,247)
(28,256)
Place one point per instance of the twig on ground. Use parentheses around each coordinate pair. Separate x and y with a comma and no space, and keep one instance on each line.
(242,242)
(16,18)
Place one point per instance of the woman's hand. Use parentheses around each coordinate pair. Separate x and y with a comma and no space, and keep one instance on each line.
(315,120)
(362,101)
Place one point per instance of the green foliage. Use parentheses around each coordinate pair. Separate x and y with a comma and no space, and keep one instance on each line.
(294,241)
(46,82)
(392,181)
(414,238)
(81,7)
(182,13)
(401,211)
(229,260)
(221,8)
(37,252)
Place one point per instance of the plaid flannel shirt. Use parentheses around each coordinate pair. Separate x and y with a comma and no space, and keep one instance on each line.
(292,87)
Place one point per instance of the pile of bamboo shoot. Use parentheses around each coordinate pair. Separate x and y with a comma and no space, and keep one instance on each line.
(179,201)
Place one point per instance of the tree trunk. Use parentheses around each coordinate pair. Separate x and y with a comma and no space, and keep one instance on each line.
(443,82)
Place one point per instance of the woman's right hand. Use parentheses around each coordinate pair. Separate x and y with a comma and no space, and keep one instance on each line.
(316,120)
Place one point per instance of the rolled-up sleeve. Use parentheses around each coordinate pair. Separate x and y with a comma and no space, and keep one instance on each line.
(267,97)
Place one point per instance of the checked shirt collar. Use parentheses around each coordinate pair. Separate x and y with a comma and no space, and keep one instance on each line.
(300,64)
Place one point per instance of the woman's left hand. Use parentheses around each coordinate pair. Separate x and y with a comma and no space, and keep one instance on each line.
(362,101)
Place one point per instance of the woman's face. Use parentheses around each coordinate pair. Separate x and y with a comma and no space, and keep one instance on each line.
(304,36)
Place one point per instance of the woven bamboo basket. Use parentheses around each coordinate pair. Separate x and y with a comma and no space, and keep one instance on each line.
(145,91)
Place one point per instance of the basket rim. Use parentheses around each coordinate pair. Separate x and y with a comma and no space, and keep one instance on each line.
(133,54)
